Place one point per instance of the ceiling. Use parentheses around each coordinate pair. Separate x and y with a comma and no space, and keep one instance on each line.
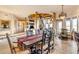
(25,10)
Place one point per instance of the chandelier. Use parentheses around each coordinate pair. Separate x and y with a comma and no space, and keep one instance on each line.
(62,15)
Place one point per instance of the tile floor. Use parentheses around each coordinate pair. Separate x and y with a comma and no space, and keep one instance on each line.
(65,47)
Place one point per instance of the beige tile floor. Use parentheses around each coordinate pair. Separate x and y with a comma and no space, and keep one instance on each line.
(4,47)
(61,47)
(65,47)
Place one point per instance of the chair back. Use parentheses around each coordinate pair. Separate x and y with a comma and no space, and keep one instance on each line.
(10,44)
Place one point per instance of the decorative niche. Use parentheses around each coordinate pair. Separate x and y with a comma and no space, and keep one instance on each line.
(5,24)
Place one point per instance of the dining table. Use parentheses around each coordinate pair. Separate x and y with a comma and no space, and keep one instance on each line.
(27,41)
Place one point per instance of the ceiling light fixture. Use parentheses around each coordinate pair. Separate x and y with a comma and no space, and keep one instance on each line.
(62,15)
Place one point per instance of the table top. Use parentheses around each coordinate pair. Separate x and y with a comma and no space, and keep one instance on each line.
(29,39)
(32,41)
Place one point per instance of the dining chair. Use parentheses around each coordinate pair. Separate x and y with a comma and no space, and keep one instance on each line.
(14,46)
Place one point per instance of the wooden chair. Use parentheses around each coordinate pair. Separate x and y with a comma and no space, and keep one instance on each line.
(13,48)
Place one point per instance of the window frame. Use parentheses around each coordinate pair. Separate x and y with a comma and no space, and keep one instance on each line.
(57,25)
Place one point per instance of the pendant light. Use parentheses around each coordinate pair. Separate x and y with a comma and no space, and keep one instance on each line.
(62,15)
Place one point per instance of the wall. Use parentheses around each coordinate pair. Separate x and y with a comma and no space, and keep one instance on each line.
(11,18)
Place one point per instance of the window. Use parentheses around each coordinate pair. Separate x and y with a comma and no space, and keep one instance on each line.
(59,26)
(46,23)
(74,24)
(68,25)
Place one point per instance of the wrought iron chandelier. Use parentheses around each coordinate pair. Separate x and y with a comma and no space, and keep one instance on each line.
(62,15)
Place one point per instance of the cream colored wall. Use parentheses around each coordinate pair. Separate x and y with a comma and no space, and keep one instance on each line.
(22,25)
(12,26)
(12,19)
(76,12)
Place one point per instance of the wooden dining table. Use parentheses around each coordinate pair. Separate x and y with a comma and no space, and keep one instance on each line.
(29,40)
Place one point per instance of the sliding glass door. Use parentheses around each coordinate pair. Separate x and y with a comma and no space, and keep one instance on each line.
(70,24)
(68,27)
(74,24)
(59,26)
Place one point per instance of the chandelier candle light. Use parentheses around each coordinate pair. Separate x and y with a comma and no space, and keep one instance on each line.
(62,15)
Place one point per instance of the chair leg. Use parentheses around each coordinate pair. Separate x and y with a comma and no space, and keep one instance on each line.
(14,50)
